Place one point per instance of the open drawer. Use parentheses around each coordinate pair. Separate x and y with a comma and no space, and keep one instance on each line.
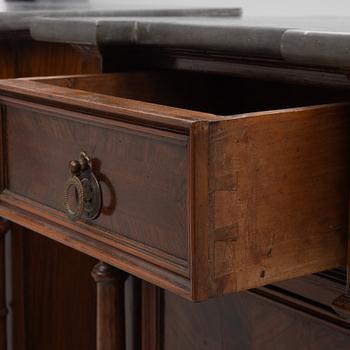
(210,184)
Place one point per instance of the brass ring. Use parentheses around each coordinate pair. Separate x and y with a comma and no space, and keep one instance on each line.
(74,182)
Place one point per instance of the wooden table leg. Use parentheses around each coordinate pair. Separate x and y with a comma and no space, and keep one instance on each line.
(4,227)
(110,307)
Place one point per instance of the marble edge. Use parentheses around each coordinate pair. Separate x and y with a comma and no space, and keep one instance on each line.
(158,31)
(21,20)
(294,46)
(316,48)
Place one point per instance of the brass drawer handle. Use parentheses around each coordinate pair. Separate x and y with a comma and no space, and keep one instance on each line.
(84,189)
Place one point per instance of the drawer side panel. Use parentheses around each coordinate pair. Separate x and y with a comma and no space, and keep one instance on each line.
(279,186)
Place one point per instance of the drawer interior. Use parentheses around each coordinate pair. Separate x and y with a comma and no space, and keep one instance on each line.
(210,93)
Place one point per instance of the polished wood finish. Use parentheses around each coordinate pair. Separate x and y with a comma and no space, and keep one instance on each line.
(312,295)
(55,308)
(110,307)
(143,202)
(4,227)
(281,195)
(19,274)
(7,67)
(194,91)
(237,244)
(196,193)
(151,317)
(20,56)
(284,315)
(244,321)
(341,303)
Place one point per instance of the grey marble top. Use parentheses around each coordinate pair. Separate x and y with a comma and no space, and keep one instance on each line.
(323,41)
(19,15)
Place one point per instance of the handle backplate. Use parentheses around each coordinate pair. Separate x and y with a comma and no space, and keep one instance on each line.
(83,189)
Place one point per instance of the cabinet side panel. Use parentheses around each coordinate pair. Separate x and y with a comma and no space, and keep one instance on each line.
(245,322)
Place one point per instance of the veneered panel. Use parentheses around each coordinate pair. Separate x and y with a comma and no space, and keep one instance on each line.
(143,174)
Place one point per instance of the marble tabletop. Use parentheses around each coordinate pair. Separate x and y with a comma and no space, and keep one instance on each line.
(315,41)
(19,15)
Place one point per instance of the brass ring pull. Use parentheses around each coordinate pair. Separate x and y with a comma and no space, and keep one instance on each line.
(84,189)
(74,213)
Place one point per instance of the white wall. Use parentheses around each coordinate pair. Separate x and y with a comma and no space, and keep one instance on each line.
(250,7)
(256,7)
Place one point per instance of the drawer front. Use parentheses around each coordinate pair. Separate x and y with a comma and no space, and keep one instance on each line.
(143,174)
(199,204)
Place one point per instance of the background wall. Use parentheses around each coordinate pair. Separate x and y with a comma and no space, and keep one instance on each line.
(257,7)
(250,7)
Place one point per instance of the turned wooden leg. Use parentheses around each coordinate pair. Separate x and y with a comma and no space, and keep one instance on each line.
(110,307)
(4,227)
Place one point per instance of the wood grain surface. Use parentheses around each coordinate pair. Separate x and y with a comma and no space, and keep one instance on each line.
(110,321)
(220,203)
(278,192)
(144,195)
(246,322)
(22,57)
(4,228)
(54,300)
